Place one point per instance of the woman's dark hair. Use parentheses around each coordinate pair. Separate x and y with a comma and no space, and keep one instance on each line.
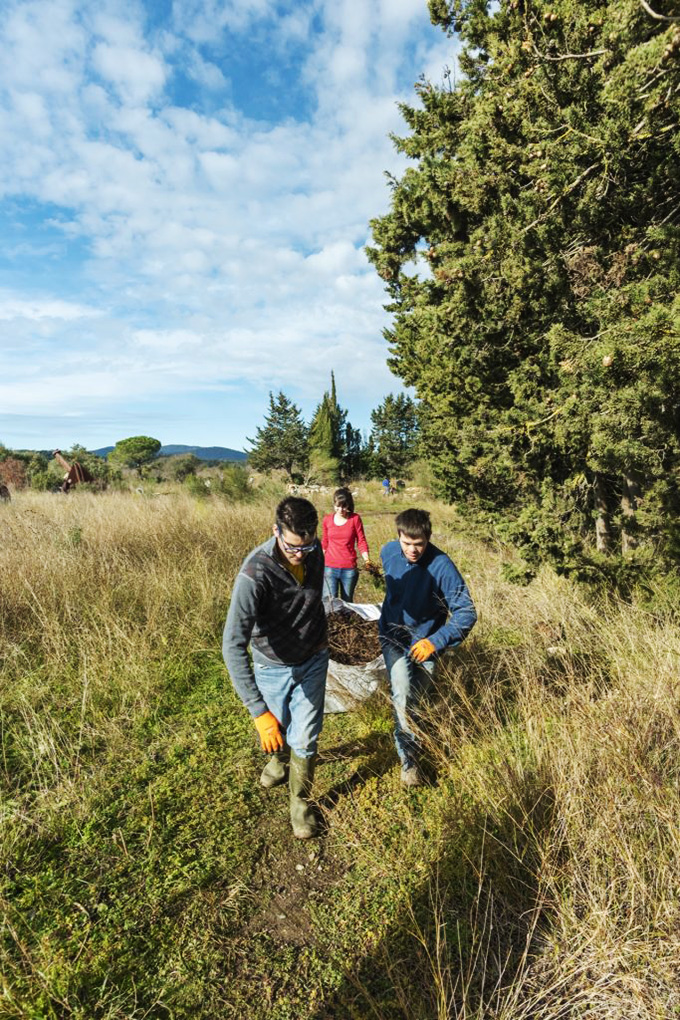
(344,498)
(414,524)
(297,515)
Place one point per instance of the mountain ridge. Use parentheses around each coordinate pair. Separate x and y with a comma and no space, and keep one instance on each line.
(202,452)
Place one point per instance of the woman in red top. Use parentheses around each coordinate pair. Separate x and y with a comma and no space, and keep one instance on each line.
(342,532)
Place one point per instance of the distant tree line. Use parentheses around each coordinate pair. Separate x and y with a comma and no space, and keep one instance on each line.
(329,449)
(36,469)
(540,324)
(40,471)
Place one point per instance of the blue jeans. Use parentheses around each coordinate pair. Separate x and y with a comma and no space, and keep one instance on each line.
(340,579)
(296,695)
(409,683)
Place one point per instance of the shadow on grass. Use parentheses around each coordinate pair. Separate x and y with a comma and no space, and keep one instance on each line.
(460,942)
(382,758)
(466,931)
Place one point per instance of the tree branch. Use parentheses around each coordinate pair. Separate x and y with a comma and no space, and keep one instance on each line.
(576,56)
(574,184)
(653,14)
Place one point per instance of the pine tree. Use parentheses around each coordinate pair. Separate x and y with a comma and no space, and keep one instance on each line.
(394,436)
(135,452)
(353,460)
(282,441)
(541,327)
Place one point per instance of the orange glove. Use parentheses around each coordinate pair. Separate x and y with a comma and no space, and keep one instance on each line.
(422,650)
(270,735)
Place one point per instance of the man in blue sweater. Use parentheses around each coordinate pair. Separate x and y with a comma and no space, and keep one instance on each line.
(276,609)
(427,609)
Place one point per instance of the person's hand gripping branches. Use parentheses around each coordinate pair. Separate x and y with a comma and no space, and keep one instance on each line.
(422,650)
(267,726)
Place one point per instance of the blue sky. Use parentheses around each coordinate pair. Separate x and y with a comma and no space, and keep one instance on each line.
(185,190)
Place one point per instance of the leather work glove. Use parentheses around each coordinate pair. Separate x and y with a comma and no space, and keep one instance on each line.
(267,726)
(422,650)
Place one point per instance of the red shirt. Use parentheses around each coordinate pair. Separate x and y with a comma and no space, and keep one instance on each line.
(338,541)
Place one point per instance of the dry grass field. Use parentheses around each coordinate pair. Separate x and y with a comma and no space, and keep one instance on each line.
(146,875)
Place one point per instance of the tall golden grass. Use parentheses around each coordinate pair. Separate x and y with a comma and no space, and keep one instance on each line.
(555,733)
(99,595)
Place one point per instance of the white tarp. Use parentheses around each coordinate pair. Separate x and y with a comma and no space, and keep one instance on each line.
(348,686)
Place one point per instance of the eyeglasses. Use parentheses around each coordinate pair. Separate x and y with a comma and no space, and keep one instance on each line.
(295,548)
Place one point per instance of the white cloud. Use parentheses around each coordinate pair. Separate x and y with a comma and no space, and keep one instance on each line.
(335,260)
(212,247)
(206,73)
(137,76)
(203,20)
(221,169)
(50,308)
(31,108)
(167,341)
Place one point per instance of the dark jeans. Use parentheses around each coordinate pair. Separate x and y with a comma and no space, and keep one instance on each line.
(342,580)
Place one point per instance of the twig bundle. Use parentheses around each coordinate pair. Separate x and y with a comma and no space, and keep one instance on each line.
(352,640)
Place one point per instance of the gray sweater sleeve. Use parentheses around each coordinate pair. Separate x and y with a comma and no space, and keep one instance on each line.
(237,631)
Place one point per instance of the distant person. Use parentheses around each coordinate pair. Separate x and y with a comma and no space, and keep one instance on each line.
(342,534)
(276,608)
(386,487)
(427,608)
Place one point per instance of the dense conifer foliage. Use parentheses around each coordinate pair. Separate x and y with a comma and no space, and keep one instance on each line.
(394,434)
(282,441)
(531,258)
(335,447)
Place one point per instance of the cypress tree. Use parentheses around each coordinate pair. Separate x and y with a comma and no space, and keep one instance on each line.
(334,446)
(540,326)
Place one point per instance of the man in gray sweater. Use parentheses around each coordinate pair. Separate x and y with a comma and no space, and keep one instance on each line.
(276,608)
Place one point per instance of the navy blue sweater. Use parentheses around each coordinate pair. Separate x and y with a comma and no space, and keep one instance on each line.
(426,599)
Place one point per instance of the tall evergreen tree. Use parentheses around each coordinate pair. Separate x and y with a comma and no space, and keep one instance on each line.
(394,435)
(353,462)
(334,446)
(541,327)
(324,443)
(282,441)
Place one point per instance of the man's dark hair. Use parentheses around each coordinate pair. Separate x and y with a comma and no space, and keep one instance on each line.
(414,524)
(297,515)
(344,498)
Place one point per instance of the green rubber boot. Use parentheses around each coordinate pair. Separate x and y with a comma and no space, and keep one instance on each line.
(302,817)
(275,771)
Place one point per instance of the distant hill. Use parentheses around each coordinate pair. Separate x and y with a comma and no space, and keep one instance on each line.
(202,452)
(205,452)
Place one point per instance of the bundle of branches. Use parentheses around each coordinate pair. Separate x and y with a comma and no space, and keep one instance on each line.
(374,570)
(352,640)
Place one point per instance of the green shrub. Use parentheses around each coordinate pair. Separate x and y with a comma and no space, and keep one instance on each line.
(233,482)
